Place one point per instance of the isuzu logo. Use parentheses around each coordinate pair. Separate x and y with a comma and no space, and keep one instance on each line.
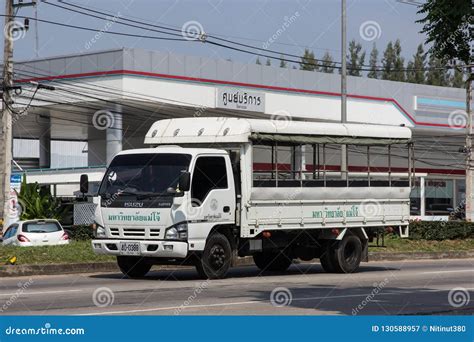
(133,204)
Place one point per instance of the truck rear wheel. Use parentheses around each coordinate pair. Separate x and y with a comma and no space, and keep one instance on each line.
(326,258)
(133,267)
(346,254)
(216,258)
(272,261)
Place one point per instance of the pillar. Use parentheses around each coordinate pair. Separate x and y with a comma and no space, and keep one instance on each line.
(45,144)
(114,135)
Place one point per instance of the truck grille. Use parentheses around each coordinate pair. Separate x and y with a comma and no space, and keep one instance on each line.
(135,232)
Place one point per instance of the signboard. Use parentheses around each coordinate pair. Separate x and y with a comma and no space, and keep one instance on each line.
(240,99)
(14,206)
(15,182)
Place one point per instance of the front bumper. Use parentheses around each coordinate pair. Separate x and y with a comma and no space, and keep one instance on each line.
(159,249)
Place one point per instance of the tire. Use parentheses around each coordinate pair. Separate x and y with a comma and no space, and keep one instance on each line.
(326,258)
(216,258)
(133,267)
(346,254)
(272,261)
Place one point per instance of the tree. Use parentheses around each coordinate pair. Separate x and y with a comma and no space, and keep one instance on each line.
(446,24)
(399,64)
(258,61)
(355,59)
(327,64)
(283,63)
(373,60)
(388,62)
(457,79)
(437,74)
(268,62)
(308,61)
(417,74)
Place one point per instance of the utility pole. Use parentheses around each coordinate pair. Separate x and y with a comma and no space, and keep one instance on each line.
(6,132)
(469,208)
(344,166)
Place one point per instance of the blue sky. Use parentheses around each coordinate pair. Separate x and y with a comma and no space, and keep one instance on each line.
(310,23)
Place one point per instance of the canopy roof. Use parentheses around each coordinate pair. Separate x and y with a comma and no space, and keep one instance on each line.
(284,130)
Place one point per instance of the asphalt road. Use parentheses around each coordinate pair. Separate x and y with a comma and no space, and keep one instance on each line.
(380,288)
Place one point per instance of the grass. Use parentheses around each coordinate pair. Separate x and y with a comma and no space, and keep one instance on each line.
(396,244)
(81,251)
(76,251)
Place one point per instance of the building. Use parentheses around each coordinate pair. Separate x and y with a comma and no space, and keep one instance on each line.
(106,101)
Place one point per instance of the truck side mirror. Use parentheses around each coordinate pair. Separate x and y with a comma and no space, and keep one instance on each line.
(84,184)
(185,181)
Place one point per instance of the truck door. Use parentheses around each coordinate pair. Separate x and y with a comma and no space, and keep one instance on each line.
(212,189)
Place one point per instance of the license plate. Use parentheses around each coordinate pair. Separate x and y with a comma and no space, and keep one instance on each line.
(129,248)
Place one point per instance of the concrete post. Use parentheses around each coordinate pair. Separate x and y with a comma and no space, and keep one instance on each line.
(422,197)
(45,145)
(114,135)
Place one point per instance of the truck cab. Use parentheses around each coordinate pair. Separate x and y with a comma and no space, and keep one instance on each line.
(162,204)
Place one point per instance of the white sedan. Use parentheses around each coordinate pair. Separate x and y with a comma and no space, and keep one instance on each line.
(35,233)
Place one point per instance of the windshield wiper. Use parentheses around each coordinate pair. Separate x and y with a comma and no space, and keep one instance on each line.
(146,195)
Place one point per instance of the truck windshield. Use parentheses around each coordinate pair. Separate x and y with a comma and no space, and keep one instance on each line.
(143,174)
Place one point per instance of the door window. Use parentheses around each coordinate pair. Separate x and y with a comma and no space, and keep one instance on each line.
(209,173)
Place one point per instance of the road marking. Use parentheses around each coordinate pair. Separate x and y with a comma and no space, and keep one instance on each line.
(25,292)
(182,307)
(451,271)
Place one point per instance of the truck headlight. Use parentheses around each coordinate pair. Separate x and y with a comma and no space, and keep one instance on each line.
(99,231)
(177,232)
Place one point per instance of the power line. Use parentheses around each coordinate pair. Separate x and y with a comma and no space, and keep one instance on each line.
(181,31)
(230,47)
(96,30)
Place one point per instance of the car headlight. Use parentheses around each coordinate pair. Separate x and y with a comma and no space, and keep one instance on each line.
(99,231)
(177,232)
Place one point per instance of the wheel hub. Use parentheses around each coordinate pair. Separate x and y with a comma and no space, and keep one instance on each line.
(217,257)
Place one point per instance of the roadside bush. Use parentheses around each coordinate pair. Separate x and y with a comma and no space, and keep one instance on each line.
(80,233)
(436,230)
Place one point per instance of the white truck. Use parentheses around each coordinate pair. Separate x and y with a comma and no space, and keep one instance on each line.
(210,190)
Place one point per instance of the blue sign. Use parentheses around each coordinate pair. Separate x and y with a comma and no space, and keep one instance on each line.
(15,181)
(237,328)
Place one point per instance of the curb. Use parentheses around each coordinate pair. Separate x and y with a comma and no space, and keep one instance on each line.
(51,269)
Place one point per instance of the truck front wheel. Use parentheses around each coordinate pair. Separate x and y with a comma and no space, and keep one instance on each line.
(272,261)
(216,258)
(133,267)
